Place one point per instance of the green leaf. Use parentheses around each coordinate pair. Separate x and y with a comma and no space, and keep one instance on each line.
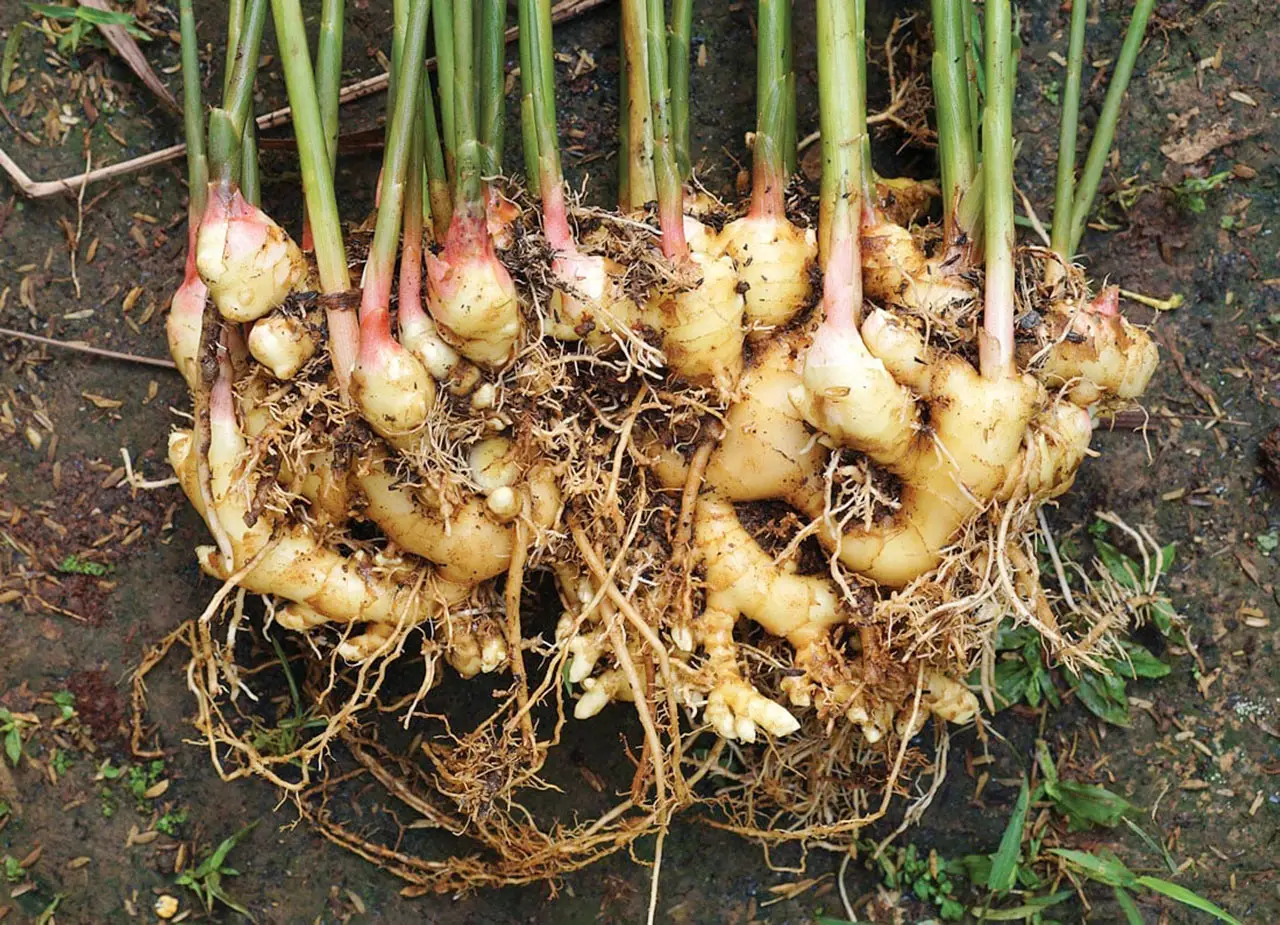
(104,17)
(1087,805)
(1164,561)
(976,868)
(77,566)
(1047,768)
(1032,693)
(1031,906)
(1131,913)
(213,863)
(1012,677)
(13,745)
(1004,864)
(1163,614)
(1049,690)
(1123,569)
(53,11)
(65,701)
(1009,637)
(1104,697)
(1140,663)
(1187,898)
(46,916)
(1106,868)
(12,45)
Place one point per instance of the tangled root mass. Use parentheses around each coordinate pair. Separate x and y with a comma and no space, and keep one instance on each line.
(780,550)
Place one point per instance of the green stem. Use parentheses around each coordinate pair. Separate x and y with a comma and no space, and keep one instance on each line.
(317,180)
(790,138)
(538,62)
(235,25)
(678,48)
(543,55)
(1105,132)
(769,169)
(442,32)
(666,174)
(969,20)
(437,176)
(227,133)
(866,175)
(492,68)
(329,73)
(996,343)
(399,26)
(641,181)
(193,115)
(317,184)
(396,158)
(956,153)
(528,114)
(250,175)
(468,196)
(840,83)
(624,131)
(1064,188)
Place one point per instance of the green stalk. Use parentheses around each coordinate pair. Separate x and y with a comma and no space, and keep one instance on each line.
(790,139)
(538,108)
(250,175)
(665,172)
(956,152)
(543,92)
(840,83)
(437,192)
(624,132)
(317,184)
(528,115)
(769,170)
(235,25)
(1064,188)
(329,73)
(442,26)
(969,20)
(492,67)
(996,343)
(193,116)
(679,43)
(866,176)
(543,54)
(468,197)
(226,125)
(641,180)
(317,180)
(399,26)
(1105,132)
(417,210)
(396,158)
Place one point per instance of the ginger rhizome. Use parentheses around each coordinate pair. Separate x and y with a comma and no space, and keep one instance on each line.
(779,465)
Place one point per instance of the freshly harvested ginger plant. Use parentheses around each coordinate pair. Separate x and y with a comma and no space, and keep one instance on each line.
(784,470)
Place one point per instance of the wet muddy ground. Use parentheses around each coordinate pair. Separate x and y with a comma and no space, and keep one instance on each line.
(92,571)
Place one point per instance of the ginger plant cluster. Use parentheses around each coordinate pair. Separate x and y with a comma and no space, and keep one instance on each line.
(782,462)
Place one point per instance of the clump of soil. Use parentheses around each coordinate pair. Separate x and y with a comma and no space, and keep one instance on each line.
(61,552)
(1269,455)
(98,705)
